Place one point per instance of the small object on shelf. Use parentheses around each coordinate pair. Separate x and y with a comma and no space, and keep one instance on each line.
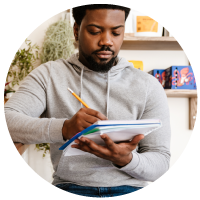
(137,64)
(159,74)
(180,77)
(149,24)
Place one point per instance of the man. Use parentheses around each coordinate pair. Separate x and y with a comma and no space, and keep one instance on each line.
(114,89)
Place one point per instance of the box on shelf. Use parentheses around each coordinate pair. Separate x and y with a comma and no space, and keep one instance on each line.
(137,64)
(180,77)
(159,74)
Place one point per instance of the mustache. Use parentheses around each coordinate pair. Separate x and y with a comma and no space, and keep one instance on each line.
(104,48)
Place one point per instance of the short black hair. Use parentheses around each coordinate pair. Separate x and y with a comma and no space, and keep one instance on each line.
(80,11)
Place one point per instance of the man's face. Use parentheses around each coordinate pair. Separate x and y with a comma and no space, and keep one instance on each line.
(100,37)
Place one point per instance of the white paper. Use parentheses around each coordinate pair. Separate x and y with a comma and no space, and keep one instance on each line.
(117,135)
(133,122)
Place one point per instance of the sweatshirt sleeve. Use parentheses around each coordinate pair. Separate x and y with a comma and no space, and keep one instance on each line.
(152,158)
(23,109)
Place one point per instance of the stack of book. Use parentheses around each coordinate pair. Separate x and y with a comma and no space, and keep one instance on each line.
(117,130)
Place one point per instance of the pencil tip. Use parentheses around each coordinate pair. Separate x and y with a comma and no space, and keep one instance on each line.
(70,90)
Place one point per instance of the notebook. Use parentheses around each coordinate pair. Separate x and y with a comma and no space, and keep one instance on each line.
(117,130)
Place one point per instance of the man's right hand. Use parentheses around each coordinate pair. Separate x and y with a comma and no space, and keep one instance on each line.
(84,118)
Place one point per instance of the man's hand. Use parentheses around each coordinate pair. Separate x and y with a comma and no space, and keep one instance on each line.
(119,154)
(84,118)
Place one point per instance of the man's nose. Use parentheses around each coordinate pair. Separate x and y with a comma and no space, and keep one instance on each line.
(106,39)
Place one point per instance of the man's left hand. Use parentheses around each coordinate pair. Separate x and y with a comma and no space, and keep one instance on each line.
(119,154)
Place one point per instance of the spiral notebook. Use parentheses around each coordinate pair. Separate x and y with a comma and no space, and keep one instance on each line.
(117,130)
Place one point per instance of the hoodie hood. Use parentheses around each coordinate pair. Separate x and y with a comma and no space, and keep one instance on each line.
(122,63)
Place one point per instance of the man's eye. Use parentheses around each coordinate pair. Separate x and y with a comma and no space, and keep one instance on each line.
(94,33)
(116,34)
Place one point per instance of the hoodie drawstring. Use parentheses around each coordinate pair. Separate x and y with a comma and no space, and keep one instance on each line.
(108,89)
(81,85)
(108,92)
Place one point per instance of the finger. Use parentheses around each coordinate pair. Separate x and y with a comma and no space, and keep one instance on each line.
(81,145)
(109,143)
(137,139)
(90,119)
(84,147)
(85,124)
(95,148)
(95,113)
(126,141)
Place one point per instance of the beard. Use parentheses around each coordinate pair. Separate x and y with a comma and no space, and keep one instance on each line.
(103,66)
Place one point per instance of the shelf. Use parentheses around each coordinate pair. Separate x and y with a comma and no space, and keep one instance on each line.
(131,37)
(181,93)
(132,42)
(192,95)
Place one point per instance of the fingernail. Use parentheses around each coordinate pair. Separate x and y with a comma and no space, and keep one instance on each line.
(103,136)
(76,141)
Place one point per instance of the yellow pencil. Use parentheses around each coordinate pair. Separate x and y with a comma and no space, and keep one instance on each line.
(78,98)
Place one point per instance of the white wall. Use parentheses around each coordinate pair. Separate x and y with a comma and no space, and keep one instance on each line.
(179,107)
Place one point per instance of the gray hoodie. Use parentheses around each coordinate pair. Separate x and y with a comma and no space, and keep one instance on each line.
(124,93)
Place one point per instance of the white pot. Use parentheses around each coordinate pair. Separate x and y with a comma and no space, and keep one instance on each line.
(8,95)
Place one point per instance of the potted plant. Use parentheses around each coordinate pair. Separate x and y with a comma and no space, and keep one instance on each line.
(23,63)
(58,43)
(7,91)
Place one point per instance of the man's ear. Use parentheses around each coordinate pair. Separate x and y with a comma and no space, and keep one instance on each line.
(76,31)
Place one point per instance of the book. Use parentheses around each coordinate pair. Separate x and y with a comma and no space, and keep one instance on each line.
(137,64)
(180,77)
(117,130)
(159,74)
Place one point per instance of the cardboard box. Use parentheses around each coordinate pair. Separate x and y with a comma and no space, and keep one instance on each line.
(180,77)
(159,74)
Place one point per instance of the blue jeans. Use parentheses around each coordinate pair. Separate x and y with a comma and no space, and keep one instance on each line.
(97,191)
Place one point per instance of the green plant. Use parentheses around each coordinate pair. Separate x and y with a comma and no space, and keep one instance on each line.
(58,42)
(8,89)
(22,63)
(43,146)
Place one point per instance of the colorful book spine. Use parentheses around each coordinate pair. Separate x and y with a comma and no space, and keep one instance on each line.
(180,77)
(159,74)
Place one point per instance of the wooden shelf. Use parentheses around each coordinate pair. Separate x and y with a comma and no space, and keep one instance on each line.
(131,37)
(181,93)
(132,42)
